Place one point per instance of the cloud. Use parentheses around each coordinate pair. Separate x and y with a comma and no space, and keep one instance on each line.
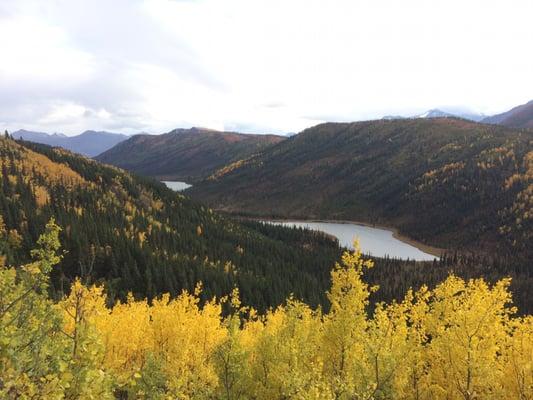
(258,66)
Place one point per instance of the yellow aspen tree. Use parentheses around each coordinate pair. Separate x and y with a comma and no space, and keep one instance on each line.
(87,376)
(231,356)
(284,356)
(32,348)
(382,370)
(517,380)
(345,326)
(467,326)
(127,338)
(185,338)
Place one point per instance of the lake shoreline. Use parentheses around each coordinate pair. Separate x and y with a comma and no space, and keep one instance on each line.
(434,251)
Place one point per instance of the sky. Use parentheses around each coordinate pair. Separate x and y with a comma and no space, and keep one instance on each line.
(273,66)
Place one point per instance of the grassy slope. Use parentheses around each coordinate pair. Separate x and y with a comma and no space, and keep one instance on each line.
(184,154)
(446,182)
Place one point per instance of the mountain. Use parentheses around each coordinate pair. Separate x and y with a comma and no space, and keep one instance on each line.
(40,137)
(518,117)
(447,182)
(88,143)
(185,154)
(436,113)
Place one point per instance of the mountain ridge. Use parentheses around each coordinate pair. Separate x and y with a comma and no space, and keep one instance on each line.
(518,117)
(90,143)
(185,154)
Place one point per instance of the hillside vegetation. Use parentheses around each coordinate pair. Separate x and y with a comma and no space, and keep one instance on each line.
(135,235)
(184,154)
(446,182)
(459,341)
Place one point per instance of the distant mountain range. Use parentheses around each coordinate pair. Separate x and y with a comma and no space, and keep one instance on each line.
(518,117)
(88,143)
(185,154)
(437,113)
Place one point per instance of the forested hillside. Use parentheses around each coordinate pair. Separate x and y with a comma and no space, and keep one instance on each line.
(185,154)
(446,182)
(136,235)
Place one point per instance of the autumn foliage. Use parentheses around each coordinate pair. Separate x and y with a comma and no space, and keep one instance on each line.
(457,341)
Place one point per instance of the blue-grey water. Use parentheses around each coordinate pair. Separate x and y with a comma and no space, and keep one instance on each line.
(177,186)
(374,241)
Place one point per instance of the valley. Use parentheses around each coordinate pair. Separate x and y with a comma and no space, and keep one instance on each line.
(266,200)
(445,182)
(445,186)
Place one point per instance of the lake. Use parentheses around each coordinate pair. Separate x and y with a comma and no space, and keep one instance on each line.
(177,186)
(374,241)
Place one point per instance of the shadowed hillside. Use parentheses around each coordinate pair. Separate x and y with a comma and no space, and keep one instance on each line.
(446,182)
(518,117)
(185,154)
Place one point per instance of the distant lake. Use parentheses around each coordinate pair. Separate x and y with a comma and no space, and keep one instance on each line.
(374,241)
(177,186)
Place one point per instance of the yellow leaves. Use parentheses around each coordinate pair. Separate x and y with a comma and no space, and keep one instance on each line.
(199,230)
(439,175)
(457,341)
(348,291)
(52,171)
(14,239)
(177,332)
(228,169)
(234,299)
(518,359)
(185,336)
(41,195)
(158,205)
(12,179)
(141,236)
(126,335)
(83,304)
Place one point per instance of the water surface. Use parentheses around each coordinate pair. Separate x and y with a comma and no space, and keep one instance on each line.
(177,186)
(374,241)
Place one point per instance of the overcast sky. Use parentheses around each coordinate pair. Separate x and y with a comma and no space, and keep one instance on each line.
(256,66)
